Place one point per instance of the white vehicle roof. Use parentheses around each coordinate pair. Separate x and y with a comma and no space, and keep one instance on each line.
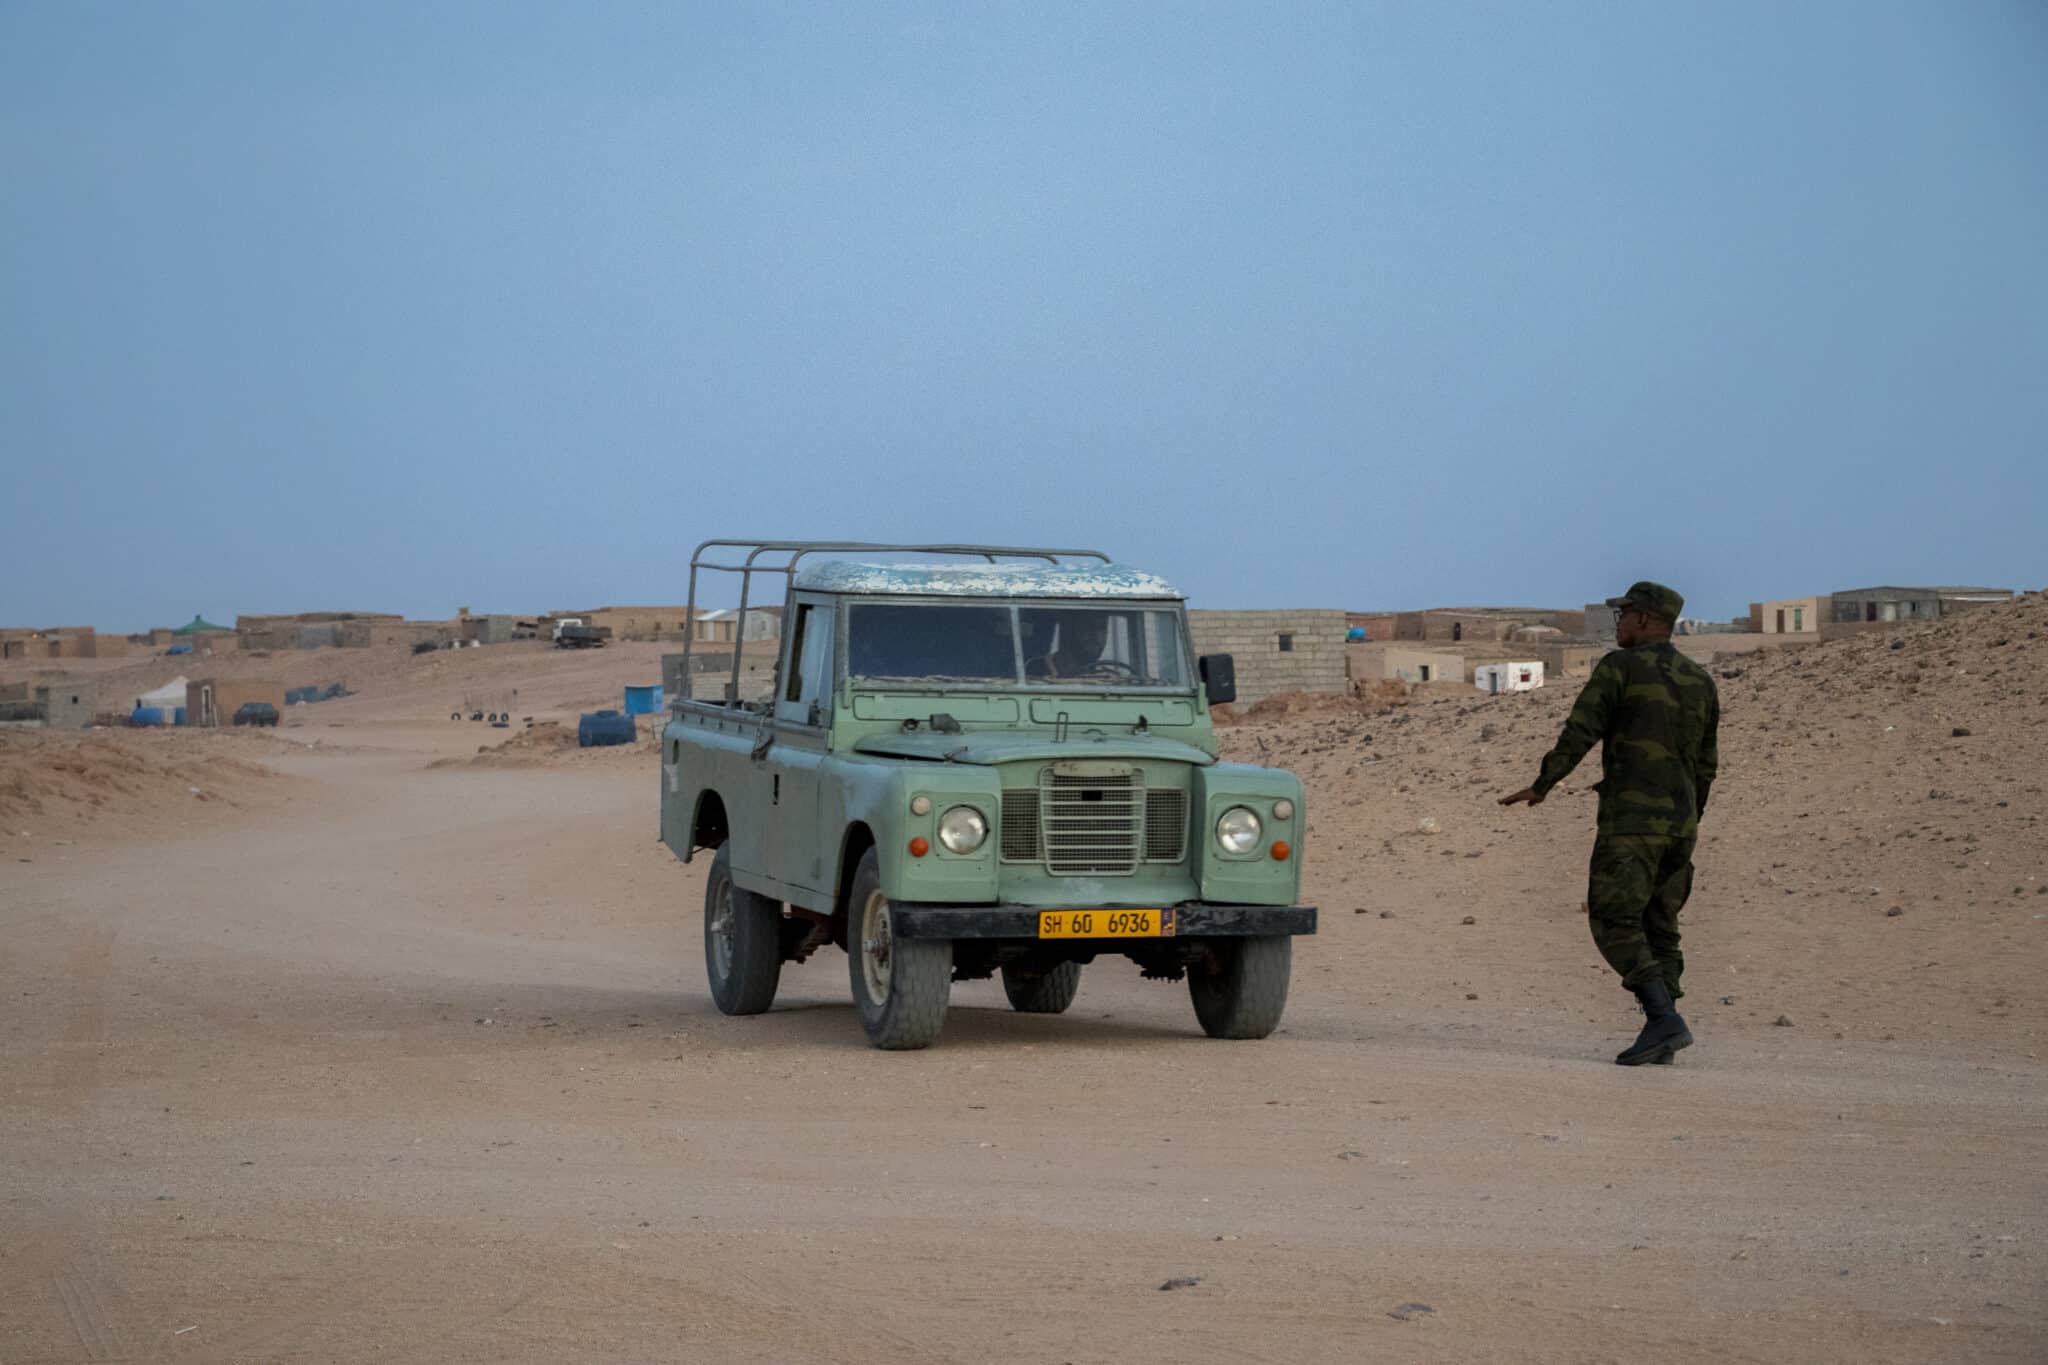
(1082,581)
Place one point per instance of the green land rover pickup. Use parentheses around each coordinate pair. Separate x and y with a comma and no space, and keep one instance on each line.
(991,759)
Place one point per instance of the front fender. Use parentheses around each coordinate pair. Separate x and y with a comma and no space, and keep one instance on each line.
(878,793)
(1256,878)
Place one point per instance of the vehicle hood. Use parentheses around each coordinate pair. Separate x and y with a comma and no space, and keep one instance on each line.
(990,749)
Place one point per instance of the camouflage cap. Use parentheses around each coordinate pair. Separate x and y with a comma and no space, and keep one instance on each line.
(1653,598)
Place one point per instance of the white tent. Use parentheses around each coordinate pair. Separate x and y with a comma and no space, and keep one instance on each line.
(170,696)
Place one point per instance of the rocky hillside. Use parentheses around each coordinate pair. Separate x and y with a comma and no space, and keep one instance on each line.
(1874,861)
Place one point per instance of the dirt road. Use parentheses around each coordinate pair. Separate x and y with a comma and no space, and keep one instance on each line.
(419,1065)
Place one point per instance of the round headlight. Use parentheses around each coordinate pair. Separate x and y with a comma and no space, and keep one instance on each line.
(1238,830)
(1283,810)
(920,805)
(962,830)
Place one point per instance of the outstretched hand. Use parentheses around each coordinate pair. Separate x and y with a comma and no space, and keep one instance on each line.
(1526,796)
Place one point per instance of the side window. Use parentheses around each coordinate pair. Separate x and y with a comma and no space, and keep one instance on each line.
(810,664)
(793,686)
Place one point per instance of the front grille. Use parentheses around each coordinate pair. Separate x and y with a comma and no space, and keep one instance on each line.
(1166,826)
(1092,821)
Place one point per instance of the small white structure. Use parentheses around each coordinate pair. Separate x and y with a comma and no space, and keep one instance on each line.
(1510,677)
(169,697)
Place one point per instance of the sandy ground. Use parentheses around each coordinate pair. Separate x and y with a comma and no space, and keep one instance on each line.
(369,1058)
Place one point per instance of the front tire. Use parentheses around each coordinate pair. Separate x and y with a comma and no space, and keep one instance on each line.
(900,986)
(1047,992)
(742,941)
(1241,990)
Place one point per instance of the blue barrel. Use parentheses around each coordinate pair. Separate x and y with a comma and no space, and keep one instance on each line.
(1355,634)
(146,715)
(599,728)
(643,701)
(177,715)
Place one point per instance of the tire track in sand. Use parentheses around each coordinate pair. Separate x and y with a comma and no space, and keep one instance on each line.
(75,1070)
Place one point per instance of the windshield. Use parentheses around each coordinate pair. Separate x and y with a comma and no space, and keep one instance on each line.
(1000,644)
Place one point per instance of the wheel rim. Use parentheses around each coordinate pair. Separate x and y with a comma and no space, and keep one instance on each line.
(876,946)
(722,930)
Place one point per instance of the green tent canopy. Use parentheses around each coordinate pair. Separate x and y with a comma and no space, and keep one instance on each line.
(199,623)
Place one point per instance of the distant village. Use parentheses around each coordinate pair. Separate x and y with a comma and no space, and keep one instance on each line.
(1511,648)
(1317,651)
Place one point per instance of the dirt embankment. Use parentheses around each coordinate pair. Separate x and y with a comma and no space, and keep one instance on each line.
(121,783)
(1875,859)
(553,744)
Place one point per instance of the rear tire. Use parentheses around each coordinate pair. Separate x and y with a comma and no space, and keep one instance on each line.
(1242,990)
(1047,992)
(742,941)
(900,986)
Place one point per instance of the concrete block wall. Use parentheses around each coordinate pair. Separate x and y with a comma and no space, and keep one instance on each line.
(1444,626)
(1315,663)
(712,670)
(637,623)
(1379,626)
(68,704)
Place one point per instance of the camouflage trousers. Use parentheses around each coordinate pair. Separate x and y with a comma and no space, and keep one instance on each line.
(1637,885)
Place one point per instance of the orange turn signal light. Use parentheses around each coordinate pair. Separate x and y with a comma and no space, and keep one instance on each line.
(920,846)
(1280,850)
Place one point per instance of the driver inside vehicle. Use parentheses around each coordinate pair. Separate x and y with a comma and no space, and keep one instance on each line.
(1081,640)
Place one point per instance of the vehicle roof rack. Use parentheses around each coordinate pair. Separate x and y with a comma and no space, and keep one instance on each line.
(795,551)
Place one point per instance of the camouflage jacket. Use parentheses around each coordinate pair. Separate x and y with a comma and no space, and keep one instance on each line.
(1657,716)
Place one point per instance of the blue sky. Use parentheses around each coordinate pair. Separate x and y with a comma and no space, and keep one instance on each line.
(403,308)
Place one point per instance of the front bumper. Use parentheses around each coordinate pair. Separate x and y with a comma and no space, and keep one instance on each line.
(1196,919)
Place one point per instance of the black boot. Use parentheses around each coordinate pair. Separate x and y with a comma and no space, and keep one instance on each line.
(1664,1032)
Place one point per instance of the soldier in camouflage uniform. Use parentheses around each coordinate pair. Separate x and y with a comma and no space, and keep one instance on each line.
(1657,717)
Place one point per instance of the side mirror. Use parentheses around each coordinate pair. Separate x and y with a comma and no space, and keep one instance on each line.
(1219,677)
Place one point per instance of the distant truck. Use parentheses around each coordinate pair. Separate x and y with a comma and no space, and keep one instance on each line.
(572,633)
(965,769)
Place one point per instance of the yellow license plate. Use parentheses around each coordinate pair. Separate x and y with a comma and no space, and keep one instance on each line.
(1105,923)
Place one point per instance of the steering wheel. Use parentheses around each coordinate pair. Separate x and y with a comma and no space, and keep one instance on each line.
(1114,666)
